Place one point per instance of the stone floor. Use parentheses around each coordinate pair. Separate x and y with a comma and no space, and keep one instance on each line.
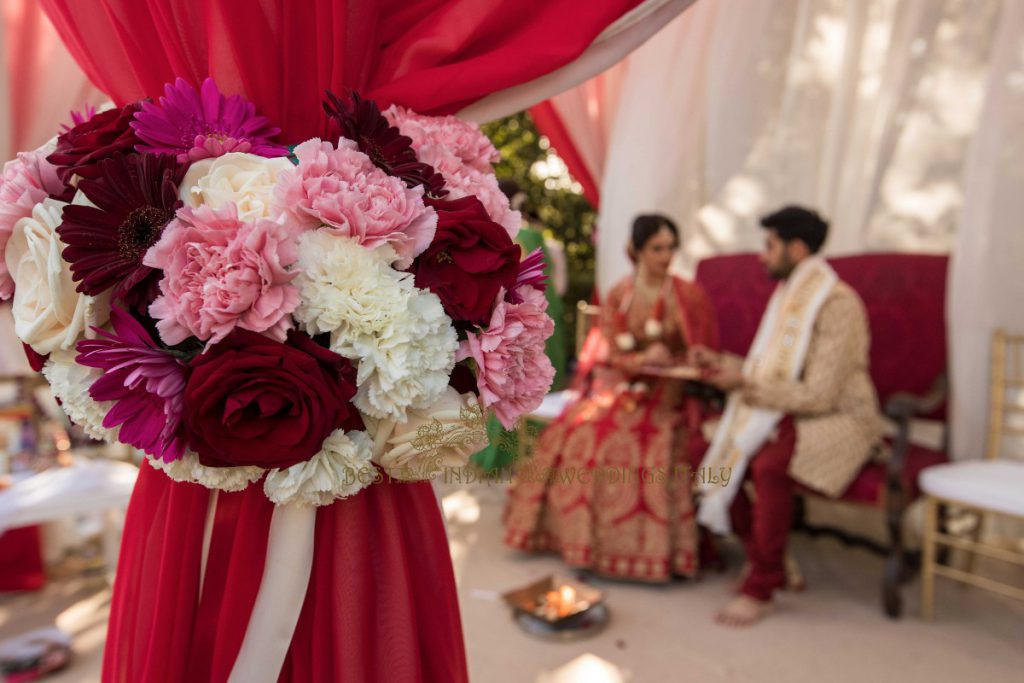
(833,632)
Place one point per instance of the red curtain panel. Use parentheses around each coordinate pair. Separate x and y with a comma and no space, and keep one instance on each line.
(434,56)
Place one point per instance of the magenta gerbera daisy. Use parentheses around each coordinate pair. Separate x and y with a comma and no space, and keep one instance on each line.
(205,123)
(531,274)
(362,122)
(135,197)
(145,383)
(79,117)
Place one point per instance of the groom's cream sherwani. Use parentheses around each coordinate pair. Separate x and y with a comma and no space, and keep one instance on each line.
(833,402)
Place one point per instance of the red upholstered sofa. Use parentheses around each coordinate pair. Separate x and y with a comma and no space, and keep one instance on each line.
(905,298)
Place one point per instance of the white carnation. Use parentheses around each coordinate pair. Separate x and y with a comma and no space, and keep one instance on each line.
(341,469)
(402,340)
(188,469)
(70,383)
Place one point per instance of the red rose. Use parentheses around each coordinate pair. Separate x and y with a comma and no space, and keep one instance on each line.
(79,149)
(36,361)
(251,400)
(470,259)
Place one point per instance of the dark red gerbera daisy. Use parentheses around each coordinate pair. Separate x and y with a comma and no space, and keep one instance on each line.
(360,120)
(82,147)
(135,197)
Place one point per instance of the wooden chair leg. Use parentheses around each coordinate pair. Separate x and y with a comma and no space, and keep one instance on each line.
(895,566)
(942,516)
(799,513)
(931,521)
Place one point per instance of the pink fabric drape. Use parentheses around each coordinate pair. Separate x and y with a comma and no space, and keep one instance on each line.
(381,602)
(578,122)
(42,80)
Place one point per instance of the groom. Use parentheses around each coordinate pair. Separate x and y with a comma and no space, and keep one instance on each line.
(801,409)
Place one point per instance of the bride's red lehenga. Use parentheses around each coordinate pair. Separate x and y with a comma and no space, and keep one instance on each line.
(630,515)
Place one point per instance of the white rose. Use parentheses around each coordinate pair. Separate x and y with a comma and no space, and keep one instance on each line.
(246,180)
(444,435)
(48,313)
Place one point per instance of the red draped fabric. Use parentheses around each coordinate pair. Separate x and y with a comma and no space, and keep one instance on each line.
(381,602)
(435,56)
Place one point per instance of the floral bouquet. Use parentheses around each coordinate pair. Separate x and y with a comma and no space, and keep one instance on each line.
(313,317)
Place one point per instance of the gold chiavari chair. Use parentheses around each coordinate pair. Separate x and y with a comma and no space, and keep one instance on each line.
(992,486)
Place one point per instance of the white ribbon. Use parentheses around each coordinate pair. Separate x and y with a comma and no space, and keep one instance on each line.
(281,595)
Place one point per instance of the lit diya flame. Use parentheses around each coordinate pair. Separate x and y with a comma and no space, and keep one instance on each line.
(560,603)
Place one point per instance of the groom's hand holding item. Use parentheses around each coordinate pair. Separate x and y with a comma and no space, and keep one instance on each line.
(720,370)
(728,376)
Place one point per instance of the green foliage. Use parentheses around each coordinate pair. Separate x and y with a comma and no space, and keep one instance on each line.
(556,200)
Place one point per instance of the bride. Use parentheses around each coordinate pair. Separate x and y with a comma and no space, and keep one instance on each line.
(618,501)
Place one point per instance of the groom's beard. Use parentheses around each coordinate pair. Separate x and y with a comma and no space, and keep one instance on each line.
(783,270)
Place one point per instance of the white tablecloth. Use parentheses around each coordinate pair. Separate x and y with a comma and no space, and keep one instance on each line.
(85,487)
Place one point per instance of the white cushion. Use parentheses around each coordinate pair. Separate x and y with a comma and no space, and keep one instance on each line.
(554,403)
(996,485)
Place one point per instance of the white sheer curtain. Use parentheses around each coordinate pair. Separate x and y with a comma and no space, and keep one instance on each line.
(864,109)
(987,283)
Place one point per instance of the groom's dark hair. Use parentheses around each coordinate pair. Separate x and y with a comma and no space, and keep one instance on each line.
(797,223)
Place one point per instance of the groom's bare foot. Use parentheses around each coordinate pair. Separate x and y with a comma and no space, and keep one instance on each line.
(741,579)
(742,611)
(795,581)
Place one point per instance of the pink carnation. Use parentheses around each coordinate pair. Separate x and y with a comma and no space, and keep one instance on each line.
(513,373)
(343,190)
(484,186)
(221,273)
(25,182)
(463,156)
(460,138)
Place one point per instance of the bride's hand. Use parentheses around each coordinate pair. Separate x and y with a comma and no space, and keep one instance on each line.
(701,357)
(657,354)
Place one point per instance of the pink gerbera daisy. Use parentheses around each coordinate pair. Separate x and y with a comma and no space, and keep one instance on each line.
(146,384)
(205,123)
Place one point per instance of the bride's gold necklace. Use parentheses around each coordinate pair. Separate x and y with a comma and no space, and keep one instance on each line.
(654,325)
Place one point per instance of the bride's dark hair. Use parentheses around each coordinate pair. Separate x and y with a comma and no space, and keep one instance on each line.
(647,226)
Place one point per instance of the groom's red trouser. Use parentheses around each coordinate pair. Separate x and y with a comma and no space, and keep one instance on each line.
(764,524)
